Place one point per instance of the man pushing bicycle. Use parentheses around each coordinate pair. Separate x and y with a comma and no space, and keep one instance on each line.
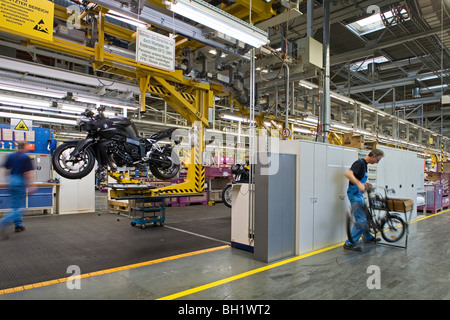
(357,176)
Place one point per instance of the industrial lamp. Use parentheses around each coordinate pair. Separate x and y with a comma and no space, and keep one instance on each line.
(219,20)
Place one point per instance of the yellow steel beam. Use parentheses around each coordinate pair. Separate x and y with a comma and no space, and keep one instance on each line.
(261,10)
(335,138)
(190,111)
(143,85)
(100,45)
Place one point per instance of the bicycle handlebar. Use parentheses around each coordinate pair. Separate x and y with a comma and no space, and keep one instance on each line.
(374,186)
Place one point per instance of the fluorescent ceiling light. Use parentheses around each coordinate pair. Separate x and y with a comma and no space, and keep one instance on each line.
(104,103)
(310,120)
(367,109)
(262,70)
(37,118)
(24,89)
(341,126)
(123,18)
(214,52)
(305,85)
(438,87)
(43,111)
(17,101)
(342,98)
(432,75)
(302,130)
(232,117)
(219,20)
(372,23)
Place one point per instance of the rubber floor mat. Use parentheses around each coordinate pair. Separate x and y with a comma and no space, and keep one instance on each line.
(98,241)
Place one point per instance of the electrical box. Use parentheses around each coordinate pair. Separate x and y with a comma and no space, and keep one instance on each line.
(310,52)
(43,167)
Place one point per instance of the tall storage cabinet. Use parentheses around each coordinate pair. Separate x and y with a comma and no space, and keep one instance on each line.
(322,192)
(338,160)
(402,171)
(275,210)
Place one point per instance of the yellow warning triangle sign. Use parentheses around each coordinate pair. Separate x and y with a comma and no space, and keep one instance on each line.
(21,126)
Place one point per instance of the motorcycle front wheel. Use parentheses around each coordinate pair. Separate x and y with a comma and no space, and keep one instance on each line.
(70,167)
(169,171)
(226,195)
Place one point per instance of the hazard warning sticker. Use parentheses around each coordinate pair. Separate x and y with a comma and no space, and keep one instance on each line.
(21,124)
(30,18)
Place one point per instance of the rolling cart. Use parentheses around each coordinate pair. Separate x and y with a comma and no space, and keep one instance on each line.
(146,210)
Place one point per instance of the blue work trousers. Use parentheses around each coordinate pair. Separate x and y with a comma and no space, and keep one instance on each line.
(357,204)
(17,190)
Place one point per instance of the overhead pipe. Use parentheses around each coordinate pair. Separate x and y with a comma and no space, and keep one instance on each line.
(310,19)
(326,101)
(286,125)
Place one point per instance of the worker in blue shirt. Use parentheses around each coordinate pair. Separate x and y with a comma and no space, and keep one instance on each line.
(357,176)
(20,178)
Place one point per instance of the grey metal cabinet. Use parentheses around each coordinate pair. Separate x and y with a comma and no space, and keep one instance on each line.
(275,195)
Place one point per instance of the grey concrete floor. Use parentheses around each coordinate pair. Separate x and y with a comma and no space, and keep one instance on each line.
(422,271)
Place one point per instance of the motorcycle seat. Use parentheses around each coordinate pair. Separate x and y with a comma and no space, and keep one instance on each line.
(162,134)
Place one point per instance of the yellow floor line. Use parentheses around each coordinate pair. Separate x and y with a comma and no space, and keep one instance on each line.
(246,274)
(268,267)
(429,216)
(96,273)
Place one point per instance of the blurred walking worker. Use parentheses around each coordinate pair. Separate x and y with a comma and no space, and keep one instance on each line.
(20,177)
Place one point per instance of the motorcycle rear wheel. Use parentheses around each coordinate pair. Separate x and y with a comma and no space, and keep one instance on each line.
(166,173)
(70,168)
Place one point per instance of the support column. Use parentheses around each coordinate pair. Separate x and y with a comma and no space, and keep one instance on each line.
(326,102)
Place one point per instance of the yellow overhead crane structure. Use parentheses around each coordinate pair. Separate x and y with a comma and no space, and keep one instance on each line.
(188,97)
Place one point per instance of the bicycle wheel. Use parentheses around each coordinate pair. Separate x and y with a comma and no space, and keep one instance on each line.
(356,224)
(393,228)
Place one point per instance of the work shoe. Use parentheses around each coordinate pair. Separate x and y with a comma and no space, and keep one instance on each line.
(352,248)
(19,229)
(373,240)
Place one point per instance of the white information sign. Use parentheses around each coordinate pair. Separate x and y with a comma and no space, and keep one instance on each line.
(155,50)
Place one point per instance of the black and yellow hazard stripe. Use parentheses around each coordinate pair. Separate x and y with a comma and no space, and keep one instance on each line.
(176,191)
(158,90)
(188,96)
(162,92)
(199,178)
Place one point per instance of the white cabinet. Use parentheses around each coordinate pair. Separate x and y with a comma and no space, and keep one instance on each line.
(322,192)
(77,195)
(240,217)
(402,171)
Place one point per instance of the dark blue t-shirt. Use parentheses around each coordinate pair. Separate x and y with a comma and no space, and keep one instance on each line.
(359,168)
(18,163)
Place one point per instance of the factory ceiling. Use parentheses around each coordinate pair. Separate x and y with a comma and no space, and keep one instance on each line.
(388,56)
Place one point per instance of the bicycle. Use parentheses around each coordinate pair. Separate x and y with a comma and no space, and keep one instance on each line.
(391,226)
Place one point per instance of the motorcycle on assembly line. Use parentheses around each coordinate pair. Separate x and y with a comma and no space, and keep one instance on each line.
(241,174)
(114,142)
